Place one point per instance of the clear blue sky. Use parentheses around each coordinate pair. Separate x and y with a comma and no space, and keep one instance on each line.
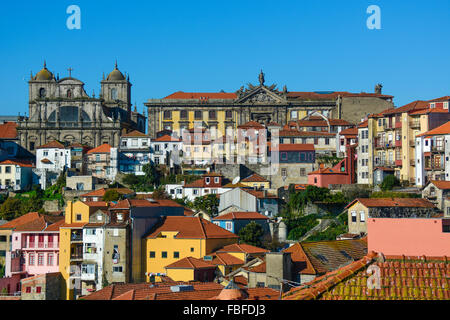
(207,46)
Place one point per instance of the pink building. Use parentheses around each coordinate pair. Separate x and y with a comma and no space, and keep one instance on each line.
(34,246)
(409,236)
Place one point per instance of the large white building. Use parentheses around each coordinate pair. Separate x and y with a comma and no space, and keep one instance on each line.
(363,158)
(51,160)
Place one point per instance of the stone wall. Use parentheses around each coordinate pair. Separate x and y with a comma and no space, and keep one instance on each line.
(356,108)
(52,206)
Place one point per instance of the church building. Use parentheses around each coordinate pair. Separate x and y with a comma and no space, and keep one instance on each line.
(61,110)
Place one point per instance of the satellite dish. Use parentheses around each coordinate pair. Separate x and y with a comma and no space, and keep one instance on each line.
(236,180)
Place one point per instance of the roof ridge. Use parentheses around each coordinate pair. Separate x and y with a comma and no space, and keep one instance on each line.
(202,227)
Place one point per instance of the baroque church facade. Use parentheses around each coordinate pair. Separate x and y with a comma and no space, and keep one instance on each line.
(222,111)
(61,110)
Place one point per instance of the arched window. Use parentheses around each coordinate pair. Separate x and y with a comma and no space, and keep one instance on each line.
(113,94)
(42,93)
(69,93)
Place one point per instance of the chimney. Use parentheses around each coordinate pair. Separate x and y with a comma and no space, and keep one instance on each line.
(278,267)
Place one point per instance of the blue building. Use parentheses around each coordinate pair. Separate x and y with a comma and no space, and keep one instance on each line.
(235,221)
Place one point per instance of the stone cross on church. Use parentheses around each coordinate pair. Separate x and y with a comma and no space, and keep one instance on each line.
(70,72)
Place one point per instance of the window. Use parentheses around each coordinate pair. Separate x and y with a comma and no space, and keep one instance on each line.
(198,115)
(294,114)
(183,114)
(192,249)
(353,216)
(284,156)
(228,226)
(38,289)
(212,115)
(42,93)
(50,259)
(284,172)
(176,254)
(97,157)
(118,269)
(207,180)
(28,290)
(91,232)
(32,145)
(7,169)
(113,94)
(216,180)
(31,259)
(228,114)
(327,141)
(164,254)
(115,232)
(167,115)
(2,253)
(134,142)
(302,172)
(152,254)
(99,218)
(79,216)
(362,216)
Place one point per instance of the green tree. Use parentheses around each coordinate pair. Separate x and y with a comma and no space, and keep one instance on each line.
(251,234)
(389,182)
(152,174)
(208,204)
(11,209)
(131,180)
(112,195)
(160,193)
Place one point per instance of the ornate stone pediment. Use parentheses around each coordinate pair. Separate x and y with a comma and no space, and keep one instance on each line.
(260,95)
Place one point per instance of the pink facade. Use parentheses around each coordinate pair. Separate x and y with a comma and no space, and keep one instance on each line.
(33,253)
(409,237)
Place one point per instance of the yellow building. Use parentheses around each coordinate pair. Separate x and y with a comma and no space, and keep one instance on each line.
(178,237)
(394,131)
(256,181)
(191,269)
(71,244)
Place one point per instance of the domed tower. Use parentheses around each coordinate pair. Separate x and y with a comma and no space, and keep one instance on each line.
(116,89)
(42,85)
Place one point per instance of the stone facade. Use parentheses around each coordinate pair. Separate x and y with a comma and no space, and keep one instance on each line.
(226,111)
(60,109)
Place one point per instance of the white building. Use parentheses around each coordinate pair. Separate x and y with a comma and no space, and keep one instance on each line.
(175,190)
(16,174)
(210,183)
(165,150)
(432,155)
(134,153)
(51,160)
(362,153)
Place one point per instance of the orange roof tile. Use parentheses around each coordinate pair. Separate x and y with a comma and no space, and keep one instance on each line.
(393,202)
(135,133)
(20,163)
(364,124)
(401,278)
(297,133)
(26,218)
(190,263)
(101,192)
(243,248)
(52,145)
(443,185)
(441,130)
(226,259)
(129,203)
(8,130)
(254,178)
(190,228)
(104,148)
(201,95)
(167,138)
(242,216)
(349,132)
(260,194)
(410,107)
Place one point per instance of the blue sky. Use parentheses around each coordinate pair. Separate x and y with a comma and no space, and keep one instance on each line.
(207,46)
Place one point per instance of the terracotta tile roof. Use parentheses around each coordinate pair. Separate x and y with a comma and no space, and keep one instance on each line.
(260,268)
(240,281)
(22,220)
(242,216)
(75,225)
(443,185)
(130,203)
(8,130)
(243,248)
(393,202)
(428,111)
(327,171)
(167,138)
(410,107)
(226,259)
(191,263)
(135,133)
(406,278)
(55,226)
(46,161)
(251,125)
(284,147)
(142,291)
(201,95)
(297,133)
(237,185)
(442,99)
(104,148)
(20,163)
(52,145)
(200,183)
(441,130)
(349,132)
(96,204)
(191,228)
(254,178)
(301,261)
(273,124)
(364,124)
(326,256)
(101,192)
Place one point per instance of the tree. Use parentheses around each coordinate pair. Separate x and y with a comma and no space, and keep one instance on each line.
(131,180)
(160,193)
(112,195)
(152,174)
(389,182)
(251,234)
(11,209)
(208,204)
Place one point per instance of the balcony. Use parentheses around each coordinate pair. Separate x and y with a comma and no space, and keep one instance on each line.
(88,276)
(76,238)
(434,167)
(75,271)
(76,257)
(437,149)
(414,125)
(385,163)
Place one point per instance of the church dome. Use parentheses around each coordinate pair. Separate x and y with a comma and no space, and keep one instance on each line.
(44,74)
(115,75)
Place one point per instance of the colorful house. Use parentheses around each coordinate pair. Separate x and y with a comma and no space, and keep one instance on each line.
(210,183)
(16,174)
(176,238)
(235,221)
(256,181)
(191,269)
